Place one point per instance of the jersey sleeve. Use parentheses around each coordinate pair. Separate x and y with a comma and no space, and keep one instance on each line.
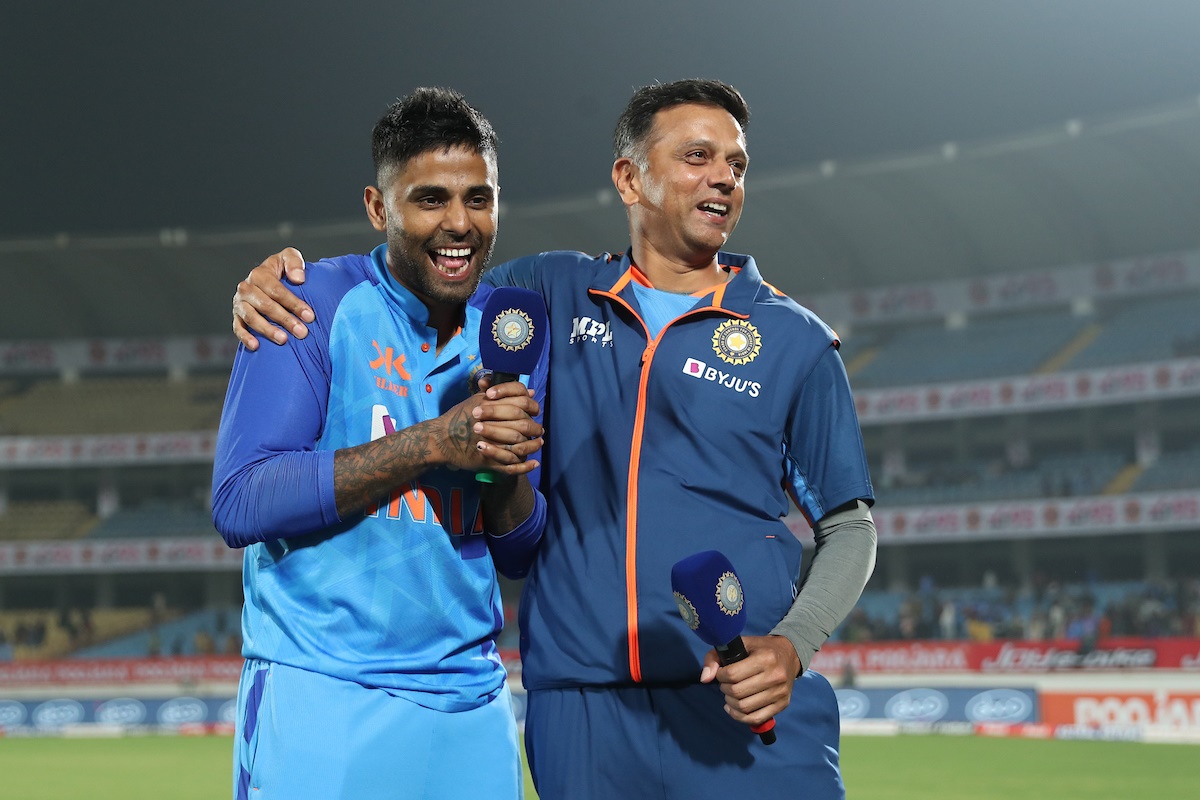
(825,463)
(524,272)
(269,481)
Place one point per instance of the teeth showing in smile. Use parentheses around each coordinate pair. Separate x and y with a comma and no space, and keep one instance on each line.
(716,208)
(452,261)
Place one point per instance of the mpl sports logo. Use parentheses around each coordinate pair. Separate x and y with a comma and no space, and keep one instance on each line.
(586,329)
(698,369)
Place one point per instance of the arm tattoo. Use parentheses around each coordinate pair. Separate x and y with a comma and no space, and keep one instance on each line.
(364,474)
(458,434)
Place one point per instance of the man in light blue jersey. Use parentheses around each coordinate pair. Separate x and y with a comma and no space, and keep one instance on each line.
(346,467)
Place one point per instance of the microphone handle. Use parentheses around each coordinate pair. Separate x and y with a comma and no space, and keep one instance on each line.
(498,378)
(732,653)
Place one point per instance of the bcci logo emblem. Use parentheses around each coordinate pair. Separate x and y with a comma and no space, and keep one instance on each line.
(736,341)
(512,329)
(729,594)
(687,611)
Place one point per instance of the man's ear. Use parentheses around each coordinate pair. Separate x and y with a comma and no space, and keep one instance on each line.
(628,179)
(376,211)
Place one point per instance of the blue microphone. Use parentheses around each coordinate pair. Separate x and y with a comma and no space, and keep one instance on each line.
(710,600)
(512,335)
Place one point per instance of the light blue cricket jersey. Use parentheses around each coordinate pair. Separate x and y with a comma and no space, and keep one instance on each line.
(406,597)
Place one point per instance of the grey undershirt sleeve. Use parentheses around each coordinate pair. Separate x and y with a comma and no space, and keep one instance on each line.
(843,561)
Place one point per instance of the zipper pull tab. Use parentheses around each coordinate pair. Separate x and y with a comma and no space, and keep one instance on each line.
(648,353)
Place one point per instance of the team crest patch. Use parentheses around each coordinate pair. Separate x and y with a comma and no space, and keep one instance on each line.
(687,611)
(512,329)
(729,594)
(736,341)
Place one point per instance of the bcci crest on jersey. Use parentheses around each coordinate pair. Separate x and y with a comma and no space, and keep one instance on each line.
(736,341)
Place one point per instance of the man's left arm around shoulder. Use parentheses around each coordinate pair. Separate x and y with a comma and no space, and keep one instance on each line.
(760,686)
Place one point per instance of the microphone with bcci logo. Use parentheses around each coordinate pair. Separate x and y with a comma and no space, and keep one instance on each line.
(512,334)
(710,600)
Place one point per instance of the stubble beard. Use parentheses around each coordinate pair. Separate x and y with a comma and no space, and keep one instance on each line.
(410,264)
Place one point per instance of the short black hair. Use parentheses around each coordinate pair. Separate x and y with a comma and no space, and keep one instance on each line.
(633,128)
(428,119)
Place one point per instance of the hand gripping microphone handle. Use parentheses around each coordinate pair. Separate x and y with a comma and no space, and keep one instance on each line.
(709,596)
(512,334)
(732,653)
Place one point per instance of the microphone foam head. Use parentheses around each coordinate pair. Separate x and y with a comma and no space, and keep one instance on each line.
(709,596)
(513,330)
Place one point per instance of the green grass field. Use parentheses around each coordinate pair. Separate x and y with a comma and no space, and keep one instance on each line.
(926,767)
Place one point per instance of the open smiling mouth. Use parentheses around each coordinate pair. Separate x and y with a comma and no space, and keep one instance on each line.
(718,209)
(453,262)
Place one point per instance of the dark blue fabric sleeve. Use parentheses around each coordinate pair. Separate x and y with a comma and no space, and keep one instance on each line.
(269,481)
(522,272)
(825,459)
(513,552)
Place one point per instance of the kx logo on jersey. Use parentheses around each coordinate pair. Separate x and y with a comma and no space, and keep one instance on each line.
(383,358)
(698,369)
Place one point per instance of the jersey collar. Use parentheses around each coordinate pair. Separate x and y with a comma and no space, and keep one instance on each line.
(736,296)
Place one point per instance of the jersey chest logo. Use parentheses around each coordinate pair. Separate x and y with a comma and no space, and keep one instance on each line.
(736,342)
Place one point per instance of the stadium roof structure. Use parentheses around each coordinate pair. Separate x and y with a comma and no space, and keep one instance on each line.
(1083,192)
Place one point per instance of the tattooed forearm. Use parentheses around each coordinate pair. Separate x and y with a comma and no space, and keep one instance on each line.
(457,441)
(364,474)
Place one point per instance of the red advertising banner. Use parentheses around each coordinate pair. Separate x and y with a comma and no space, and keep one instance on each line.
(112,355)
(113,555)
(199,669)
(187,447)
(1107,386)
(1162,708)
(1166,272)
(1022,519)
(1009,657)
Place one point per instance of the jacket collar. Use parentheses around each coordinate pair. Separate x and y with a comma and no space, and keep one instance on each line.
(735,297)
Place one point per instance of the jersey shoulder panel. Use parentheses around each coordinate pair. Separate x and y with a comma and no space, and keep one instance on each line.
(328,281)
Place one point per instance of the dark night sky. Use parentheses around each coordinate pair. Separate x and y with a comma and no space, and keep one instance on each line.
(130,116)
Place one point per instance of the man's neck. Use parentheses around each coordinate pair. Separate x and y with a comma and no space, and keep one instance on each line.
(681,276)
(446,320)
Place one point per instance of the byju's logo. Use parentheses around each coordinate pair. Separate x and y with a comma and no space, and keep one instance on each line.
(698,369)
(586,329)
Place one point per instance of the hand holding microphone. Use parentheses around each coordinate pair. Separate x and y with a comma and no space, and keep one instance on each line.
(512,335)
(710,600)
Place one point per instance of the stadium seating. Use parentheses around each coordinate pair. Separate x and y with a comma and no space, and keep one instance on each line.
(1178,470)
(34,520)
(1130,607)
(58,641)
(1147,329)
(207,630)
(157,518)
(115,405)
(988,347)
(980,481)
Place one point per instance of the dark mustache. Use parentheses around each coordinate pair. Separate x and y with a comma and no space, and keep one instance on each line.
(474,241)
